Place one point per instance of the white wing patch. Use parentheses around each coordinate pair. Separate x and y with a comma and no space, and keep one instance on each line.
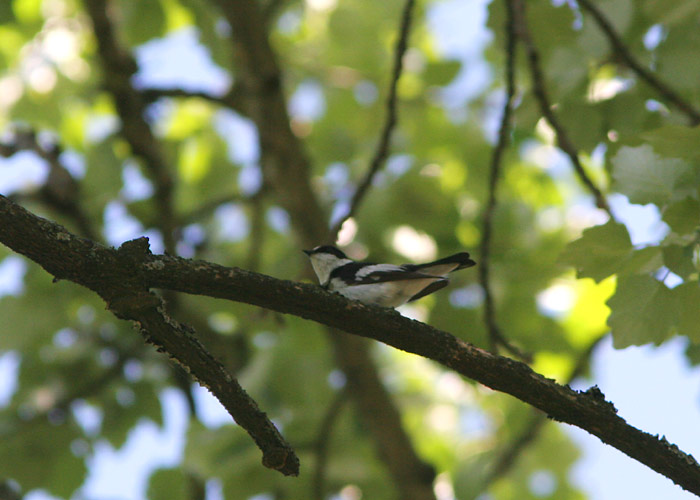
(377,268)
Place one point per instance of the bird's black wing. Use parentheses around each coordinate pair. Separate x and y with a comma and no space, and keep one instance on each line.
(362,273)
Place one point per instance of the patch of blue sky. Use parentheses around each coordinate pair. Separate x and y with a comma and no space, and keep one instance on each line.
(135,185)
(232,222)
(278,219)
(460,33)
(88,416)
(124,473)
(340,209)
(21,172)
(12,271)
(155,240)
(336,175)
(100,127)
(470,296)
(642,221)
(192,235)
(654,36)
(119,224)
(307,103)
(9,370)
(241,136)
(654,389)
(365,92)
(179,60)
(399,164)
(290,20)
(250,179)
(73,162)
(209,410)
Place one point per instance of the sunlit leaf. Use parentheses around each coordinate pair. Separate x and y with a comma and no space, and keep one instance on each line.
(642,310)
(27,11)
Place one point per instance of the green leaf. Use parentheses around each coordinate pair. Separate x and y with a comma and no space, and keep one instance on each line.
(124,406)
(642,310)
(688,296)
(37,454)
(675,141)
(168,484)
(145,19)
(618,13)
(645,177)
(441,72)
(683,216)
(692,353)
(600,251)
(6,14)
(642,261)
(679,259)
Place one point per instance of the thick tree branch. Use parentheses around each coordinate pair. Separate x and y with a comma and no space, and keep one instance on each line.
(382,150)
(624,53)
(122,277)
(540,91)
(496,337)
(110,274)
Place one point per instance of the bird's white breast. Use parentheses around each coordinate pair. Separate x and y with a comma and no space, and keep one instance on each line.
(386,294)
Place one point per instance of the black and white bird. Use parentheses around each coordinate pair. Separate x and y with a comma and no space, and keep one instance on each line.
(385,285)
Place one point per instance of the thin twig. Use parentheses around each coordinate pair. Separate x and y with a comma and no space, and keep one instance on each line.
(496,337)
(382,150)
(540,91)
(623,52)
(119,67)
(231,99)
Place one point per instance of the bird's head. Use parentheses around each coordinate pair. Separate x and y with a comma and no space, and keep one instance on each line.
(324,259)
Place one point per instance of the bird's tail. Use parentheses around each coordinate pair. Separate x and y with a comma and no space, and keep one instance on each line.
(443,266)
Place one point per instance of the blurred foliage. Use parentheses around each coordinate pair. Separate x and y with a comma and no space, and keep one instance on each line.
(85,379)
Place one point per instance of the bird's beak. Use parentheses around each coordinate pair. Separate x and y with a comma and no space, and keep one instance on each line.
(307,252)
